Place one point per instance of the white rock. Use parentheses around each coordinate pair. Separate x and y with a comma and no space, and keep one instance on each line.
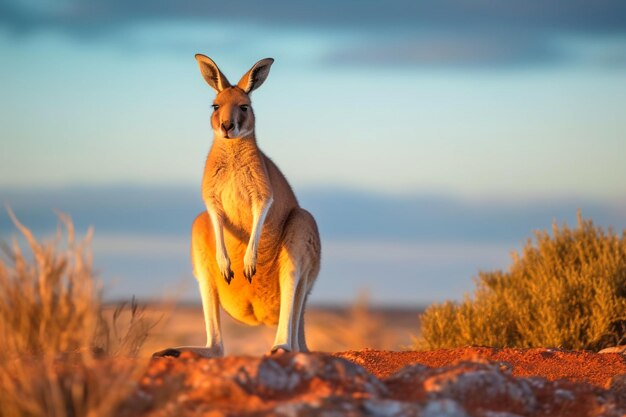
(614,349)
(444,408)
(390,408)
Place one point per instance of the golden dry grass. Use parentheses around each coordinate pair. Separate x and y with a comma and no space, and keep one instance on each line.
(568,290)
(60,356)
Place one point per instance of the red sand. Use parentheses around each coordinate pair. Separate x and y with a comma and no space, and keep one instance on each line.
(578,366)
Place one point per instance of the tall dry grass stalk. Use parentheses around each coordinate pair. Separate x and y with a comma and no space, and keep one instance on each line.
(58,355)
(358,327)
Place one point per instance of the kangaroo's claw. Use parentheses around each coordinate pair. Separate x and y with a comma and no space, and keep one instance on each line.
(228,275)
(249,273)
(249,264)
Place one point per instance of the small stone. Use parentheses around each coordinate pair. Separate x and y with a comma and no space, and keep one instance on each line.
(391,408)
(615,349)
(444,408)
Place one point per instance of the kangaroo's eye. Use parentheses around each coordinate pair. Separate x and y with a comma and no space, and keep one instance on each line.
(244,107)
(215,106)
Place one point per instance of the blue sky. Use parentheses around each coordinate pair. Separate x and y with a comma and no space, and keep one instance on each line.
(518,105)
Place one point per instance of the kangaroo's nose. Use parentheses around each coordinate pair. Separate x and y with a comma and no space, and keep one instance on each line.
(227,126)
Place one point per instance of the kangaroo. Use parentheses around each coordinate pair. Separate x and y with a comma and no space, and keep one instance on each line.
(254,251)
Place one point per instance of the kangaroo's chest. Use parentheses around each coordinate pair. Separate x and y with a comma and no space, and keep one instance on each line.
(236,201)
(234,195)
(239,184)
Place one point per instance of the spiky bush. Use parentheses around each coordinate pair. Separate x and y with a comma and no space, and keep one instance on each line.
(59,356)
(566,290)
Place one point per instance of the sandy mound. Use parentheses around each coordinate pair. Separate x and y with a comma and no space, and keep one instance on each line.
(464,382)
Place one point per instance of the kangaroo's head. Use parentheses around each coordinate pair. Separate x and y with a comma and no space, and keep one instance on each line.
(232,116)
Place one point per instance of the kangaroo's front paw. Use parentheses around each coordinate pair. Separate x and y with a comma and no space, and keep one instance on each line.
(224,264)
(228,275)
(249,265)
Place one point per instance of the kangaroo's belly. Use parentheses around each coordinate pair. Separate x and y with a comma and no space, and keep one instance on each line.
(252,303)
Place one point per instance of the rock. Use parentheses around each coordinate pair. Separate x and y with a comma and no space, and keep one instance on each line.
(484,385)
(391,408)
(477,384)
(615,349)
(292,373)
(618,387)
(444,408)
(567,398)
(277,384)
(322,385)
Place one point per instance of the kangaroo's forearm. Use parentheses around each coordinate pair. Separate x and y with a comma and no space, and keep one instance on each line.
(258,218)
(259,212)
(218,229)
(221,255)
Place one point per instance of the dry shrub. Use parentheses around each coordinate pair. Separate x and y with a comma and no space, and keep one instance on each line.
(58,357)
(568,291)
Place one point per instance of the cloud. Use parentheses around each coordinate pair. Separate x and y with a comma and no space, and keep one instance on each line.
(453,49)
(452,33)
(575,15)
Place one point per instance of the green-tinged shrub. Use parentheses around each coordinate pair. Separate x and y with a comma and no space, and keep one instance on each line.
(567,290)
(57,356)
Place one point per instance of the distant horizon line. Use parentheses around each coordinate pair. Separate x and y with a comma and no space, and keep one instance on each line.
(493,197)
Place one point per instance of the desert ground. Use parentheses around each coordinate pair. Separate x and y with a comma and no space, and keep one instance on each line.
(361,365)
(328,329)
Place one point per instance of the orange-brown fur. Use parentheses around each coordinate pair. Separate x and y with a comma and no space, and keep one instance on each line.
(227,175)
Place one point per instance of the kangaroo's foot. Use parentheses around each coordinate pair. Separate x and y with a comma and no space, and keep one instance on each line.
(278,351)
(205,352)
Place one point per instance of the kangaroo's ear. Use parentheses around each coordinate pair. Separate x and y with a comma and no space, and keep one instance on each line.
(211,73)
(253,79)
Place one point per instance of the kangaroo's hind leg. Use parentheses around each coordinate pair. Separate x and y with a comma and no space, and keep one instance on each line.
(302,345)
(299,265)
(201,256)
